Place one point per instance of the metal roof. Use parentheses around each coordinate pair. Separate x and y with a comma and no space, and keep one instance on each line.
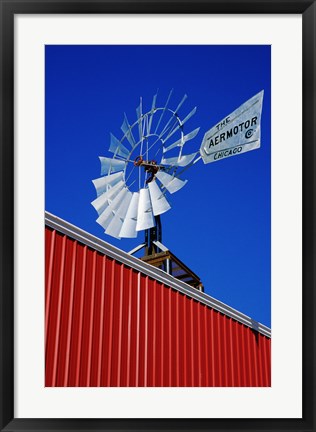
(153,272)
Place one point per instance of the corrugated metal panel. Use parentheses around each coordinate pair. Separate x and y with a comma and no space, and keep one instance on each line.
(146,269)
(108,324)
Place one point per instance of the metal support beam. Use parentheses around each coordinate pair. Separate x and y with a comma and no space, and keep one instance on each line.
(136,249)
(162,247)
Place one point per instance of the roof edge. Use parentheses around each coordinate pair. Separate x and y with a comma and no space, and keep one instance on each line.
(100,245)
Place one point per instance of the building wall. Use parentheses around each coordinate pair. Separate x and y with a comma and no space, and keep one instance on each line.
(107,324)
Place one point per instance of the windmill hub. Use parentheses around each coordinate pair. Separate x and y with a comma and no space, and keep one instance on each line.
(150,167)
(139,161)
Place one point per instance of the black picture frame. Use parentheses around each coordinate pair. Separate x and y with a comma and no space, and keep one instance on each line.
(8,9)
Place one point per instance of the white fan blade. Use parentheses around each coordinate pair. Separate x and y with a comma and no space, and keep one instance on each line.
(159,203)
(126,128)
(109,165)
(176,112)
(145,218)
(116,223)
(103,200)
(178,126)
(180,104)
(172,184)
(181,141)
(118,148)
(139,113)
(129,225)
(181,161)
(105,218)
(191,113)
(139,110)
(178,143)
(153,106)
(163,111)
(191,135)
(101,183)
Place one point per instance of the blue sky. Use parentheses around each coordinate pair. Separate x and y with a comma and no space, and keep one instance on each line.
(219,224)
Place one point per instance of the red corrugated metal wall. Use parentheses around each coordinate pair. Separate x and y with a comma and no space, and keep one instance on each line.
(108,325)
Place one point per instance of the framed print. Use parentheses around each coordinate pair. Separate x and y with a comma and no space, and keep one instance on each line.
(157,215)
(144,164)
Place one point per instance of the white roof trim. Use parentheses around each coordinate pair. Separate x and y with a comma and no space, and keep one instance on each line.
(147,269)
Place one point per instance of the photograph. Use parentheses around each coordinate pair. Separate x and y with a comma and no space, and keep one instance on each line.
(157,216)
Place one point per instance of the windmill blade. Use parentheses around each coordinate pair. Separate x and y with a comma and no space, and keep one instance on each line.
(178,143)
(139,114)
(101,184)
(163,111)
(128,228)
(191,134)
(116,223)
(176,123)
(145,218)
(159,203)
(106,216)
(104,200)
(117,147)
(109,165)
(180,125)
(172,184)
(150,118)
(127,130)
(180,161)
(168,127)
(191,113)
(182,141)
(180,104)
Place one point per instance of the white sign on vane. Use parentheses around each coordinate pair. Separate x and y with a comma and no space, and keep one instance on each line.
(235,134)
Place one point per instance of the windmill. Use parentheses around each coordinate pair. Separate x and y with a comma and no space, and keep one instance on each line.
(146,165)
